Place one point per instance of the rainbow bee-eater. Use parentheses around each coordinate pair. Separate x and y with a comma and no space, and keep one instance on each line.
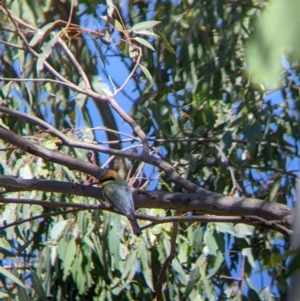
(117,192)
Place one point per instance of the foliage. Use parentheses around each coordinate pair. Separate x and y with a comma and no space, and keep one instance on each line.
(271,42)
(68,71)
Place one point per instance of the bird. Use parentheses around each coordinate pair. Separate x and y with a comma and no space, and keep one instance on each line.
(117,192)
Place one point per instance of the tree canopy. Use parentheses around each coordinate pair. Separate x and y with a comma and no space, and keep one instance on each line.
(173,95)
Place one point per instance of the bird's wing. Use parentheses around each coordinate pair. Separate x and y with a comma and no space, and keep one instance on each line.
(122,199)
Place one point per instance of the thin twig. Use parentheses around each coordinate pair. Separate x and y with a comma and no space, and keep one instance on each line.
(138,61)
(249,220)
(38,216)
(75,63)
(53,204)
(166,263)
(64,139)
(225,160)
(138,130)
(12,45)
(103,128)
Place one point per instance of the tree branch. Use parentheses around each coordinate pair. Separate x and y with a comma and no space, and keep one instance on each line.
(69,162)
(206,202)
(166,263)
(227,208)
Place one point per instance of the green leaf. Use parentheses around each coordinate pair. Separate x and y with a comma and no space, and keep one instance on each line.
(208,287)
(39,34)
(225,228)
(247,252)
(77,272)
(116,24)
(50,142)
(242,230)
(294,266)
(70,253)
(129,265)
(131,274)
(5,247)
(47,50)
(149,33)
(226,141)
(113,238)
(252,135)
(193,279)
(211,243)
(147,73)
(133,52)
(12,277)
(58,229)
(145,264)
(23,295)
(144,42)
(38,287)
(89,242)
(182,252)
(275,189)
(5,89)
(5,295)
(195,236)
(165,41)
(270,40)
(182,277)
(217,264)
(144,25)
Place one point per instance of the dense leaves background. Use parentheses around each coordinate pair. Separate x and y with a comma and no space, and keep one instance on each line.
(201,112)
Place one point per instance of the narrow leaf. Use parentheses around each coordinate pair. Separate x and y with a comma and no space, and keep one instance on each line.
(115,23)
(147,73)
(146,32)
(22,294)
(193,279)
(144,42)
(144,25)
(165,41)
(58,229)
(12,277)
(129,264)
(146,270)
(37,286)
(217,264)
(69,258)
(247,252)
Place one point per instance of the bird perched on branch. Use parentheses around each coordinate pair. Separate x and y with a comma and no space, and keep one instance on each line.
(117,192)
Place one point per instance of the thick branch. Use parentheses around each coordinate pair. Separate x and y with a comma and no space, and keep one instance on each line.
(48,154)
(203,202)
(206,202)
(250,220)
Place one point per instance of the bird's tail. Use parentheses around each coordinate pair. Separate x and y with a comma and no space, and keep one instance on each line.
(135,227)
